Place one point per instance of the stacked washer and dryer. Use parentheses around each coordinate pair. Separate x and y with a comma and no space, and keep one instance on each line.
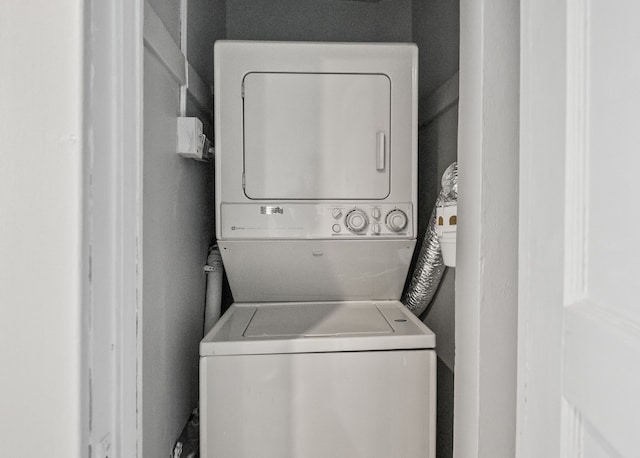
(316,155)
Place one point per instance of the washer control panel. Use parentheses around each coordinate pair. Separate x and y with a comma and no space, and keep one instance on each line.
(373,220)
(319,220)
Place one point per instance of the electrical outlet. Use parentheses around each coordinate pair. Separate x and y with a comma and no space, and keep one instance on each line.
(192,143)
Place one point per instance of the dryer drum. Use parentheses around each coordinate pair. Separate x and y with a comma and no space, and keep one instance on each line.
(429,266)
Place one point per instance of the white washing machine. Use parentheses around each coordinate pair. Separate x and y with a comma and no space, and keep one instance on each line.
(316,222)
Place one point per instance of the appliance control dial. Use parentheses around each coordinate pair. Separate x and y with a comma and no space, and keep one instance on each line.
(336,213)
(356,220)
(396,220)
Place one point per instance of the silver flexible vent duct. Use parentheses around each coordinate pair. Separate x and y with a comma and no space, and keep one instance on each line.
(429,266)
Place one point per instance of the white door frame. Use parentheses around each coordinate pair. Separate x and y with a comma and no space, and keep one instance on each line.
(487,258)
(112,225)
(541,223)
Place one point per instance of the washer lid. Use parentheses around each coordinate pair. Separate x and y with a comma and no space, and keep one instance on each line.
(316,327)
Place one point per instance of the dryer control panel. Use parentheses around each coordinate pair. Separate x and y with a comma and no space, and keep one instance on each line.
(313,220)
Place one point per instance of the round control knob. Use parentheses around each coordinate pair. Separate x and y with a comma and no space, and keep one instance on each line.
(356,220)
(396,220)
(336,213)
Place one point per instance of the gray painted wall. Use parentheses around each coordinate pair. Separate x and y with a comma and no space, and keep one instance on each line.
(169,13)
(436,30)
(437,142)
(176,233)
(177,229)
(206,21)
(438,147)
(324,20)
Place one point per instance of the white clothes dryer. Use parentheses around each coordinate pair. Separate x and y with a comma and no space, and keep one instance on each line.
(316,222)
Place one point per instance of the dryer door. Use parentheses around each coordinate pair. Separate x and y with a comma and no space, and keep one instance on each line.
(316,136)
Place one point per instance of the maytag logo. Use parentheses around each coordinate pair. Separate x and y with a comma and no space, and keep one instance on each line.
(268,210)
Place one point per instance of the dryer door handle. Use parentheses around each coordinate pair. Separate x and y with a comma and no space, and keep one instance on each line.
(380,150)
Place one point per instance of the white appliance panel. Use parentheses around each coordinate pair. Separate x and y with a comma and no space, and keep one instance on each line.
(321,320)
(316,405)
(294,220)
(316,270)
(316,327)
(316,136)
